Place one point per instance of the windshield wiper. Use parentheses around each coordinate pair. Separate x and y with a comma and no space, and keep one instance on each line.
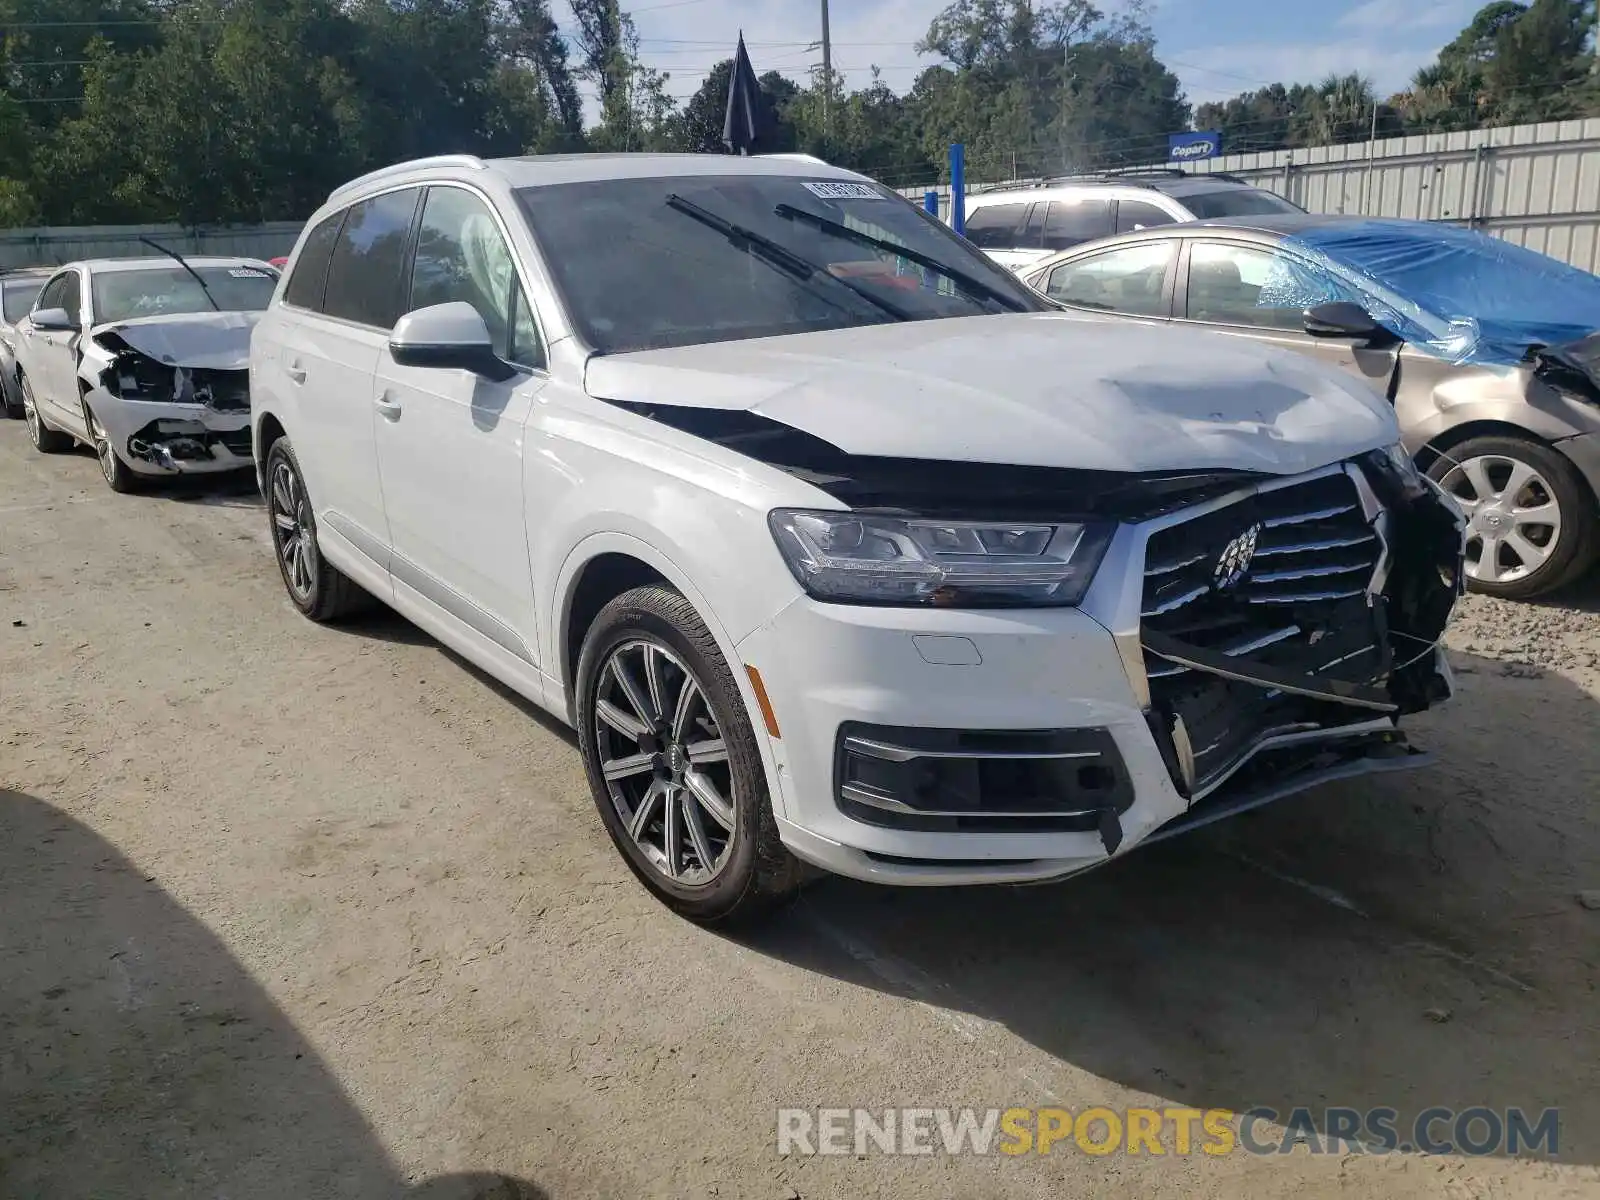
(959,277)
(776,254)
(182,263)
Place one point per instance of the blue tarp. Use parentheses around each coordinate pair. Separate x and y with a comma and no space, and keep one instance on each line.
(1454,292)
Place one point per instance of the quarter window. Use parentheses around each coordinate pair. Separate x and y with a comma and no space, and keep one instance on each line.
(994,226)
(364,271)
(1070,222)
(1250,285)
(1129,280)
(461,255)
(310,277)
(1136,214)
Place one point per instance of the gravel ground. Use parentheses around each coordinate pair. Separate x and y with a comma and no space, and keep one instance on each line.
(289,911)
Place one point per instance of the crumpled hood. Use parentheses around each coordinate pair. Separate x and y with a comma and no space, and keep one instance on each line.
(1040,389)
(207,341)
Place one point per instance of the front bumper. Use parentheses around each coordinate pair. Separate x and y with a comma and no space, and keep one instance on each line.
(899,731)
(175,439)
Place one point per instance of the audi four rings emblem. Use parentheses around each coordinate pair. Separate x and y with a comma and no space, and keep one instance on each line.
(1235,558)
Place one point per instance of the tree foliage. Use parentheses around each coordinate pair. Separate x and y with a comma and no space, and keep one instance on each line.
(246,110)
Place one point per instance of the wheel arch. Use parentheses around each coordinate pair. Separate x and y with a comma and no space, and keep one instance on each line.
(1442,443)
(596,571)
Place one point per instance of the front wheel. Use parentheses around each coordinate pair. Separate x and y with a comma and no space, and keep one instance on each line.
(45,440)
(1530,517)
(674,764)
(118,475)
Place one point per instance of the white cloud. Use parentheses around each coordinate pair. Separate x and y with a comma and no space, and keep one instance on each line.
(1387,17)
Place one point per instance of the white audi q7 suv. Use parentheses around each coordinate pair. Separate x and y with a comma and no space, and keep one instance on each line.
(838,545)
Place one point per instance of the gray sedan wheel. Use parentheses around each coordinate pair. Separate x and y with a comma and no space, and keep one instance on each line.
(45,440)
(1530,518)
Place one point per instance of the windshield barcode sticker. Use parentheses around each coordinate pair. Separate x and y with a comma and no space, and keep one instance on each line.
(844,191)
(247,273)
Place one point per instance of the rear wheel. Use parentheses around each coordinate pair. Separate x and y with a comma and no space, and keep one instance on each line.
(674,764)
(317,588)
(45,440)
(1531,519)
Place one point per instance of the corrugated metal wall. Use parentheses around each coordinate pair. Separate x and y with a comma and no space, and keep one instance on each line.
(48,246)
(1536,185)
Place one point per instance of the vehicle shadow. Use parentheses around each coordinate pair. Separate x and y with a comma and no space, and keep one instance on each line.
(1409,941)
(384,624)
(142,1060)
(1581,595)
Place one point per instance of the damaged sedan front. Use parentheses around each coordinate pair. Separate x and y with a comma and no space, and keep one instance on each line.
(172,394)
(147,361)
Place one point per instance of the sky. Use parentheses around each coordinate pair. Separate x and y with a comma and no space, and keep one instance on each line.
(1218,48)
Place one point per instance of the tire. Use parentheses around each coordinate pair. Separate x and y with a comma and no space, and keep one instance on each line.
(1503,481)
(315,586)
(118,475)
(750,872)
(45,440)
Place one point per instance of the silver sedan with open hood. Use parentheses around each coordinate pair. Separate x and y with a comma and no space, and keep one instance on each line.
(147,361)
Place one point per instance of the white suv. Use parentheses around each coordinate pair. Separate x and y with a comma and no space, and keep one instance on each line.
(1018,226)
(836,543)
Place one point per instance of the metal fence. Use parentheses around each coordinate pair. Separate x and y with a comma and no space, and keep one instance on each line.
(1536,185)
(49,245)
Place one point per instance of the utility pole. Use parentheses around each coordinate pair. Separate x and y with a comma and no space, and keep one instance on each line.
(827,67)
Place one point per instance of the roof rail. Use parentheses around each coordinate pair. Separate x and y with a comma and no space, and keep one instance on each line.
(471,161)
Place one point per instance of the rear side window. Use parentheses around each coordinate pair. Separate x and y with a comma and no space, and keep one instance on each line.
(994,226)
(1136,214)
(311,268)
(365,283)
(1072,221)
(1131,279)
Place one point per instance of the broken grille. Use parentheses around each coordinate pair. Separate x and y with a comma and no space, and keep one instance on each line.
(1299,607)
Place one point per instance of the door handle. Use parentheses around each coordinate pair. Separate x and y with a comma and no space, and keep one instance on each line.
(295,372)
(388,407)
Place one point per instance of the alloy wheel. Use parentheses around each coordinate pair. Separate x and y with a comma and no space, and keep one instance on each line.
(30,414)
(292,530)
(1513,518)
(102,447)
(665,762)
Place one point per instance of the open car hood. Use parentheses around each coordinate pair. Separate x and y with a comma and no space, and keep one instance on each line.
(1039,389)
(211,341)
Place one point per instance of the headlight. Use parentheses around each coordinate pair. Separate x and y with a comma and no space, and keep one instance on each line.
(858,558)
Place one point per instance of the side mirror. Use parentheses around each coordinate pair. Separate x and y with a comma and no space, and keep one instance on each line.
(1342,319)
(449,337)
(52,318)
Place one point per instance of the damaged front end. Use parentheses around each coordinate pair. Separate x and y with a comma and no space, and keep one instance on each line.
(1274,628)
(172,417)
(1284,632)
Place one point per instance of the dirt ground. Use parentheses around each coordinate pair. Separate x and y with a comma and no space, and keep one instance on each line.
(289,911)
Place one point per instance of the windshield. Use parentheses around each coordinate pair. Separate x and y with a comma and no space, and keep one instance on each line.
(1234,202)
(17,297)
(1459,293)
(158,291)
(660,262)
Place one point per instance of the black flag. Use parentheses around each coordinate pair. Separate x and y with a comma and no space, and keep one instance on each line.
(745,124)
